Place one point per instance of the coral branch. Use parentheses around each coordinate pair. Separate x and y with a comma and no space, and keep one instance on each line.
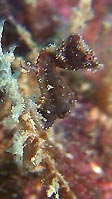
(8,83)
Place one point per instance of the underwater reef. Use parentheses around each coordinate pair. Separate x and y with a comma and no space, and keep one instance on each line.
(55,99)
